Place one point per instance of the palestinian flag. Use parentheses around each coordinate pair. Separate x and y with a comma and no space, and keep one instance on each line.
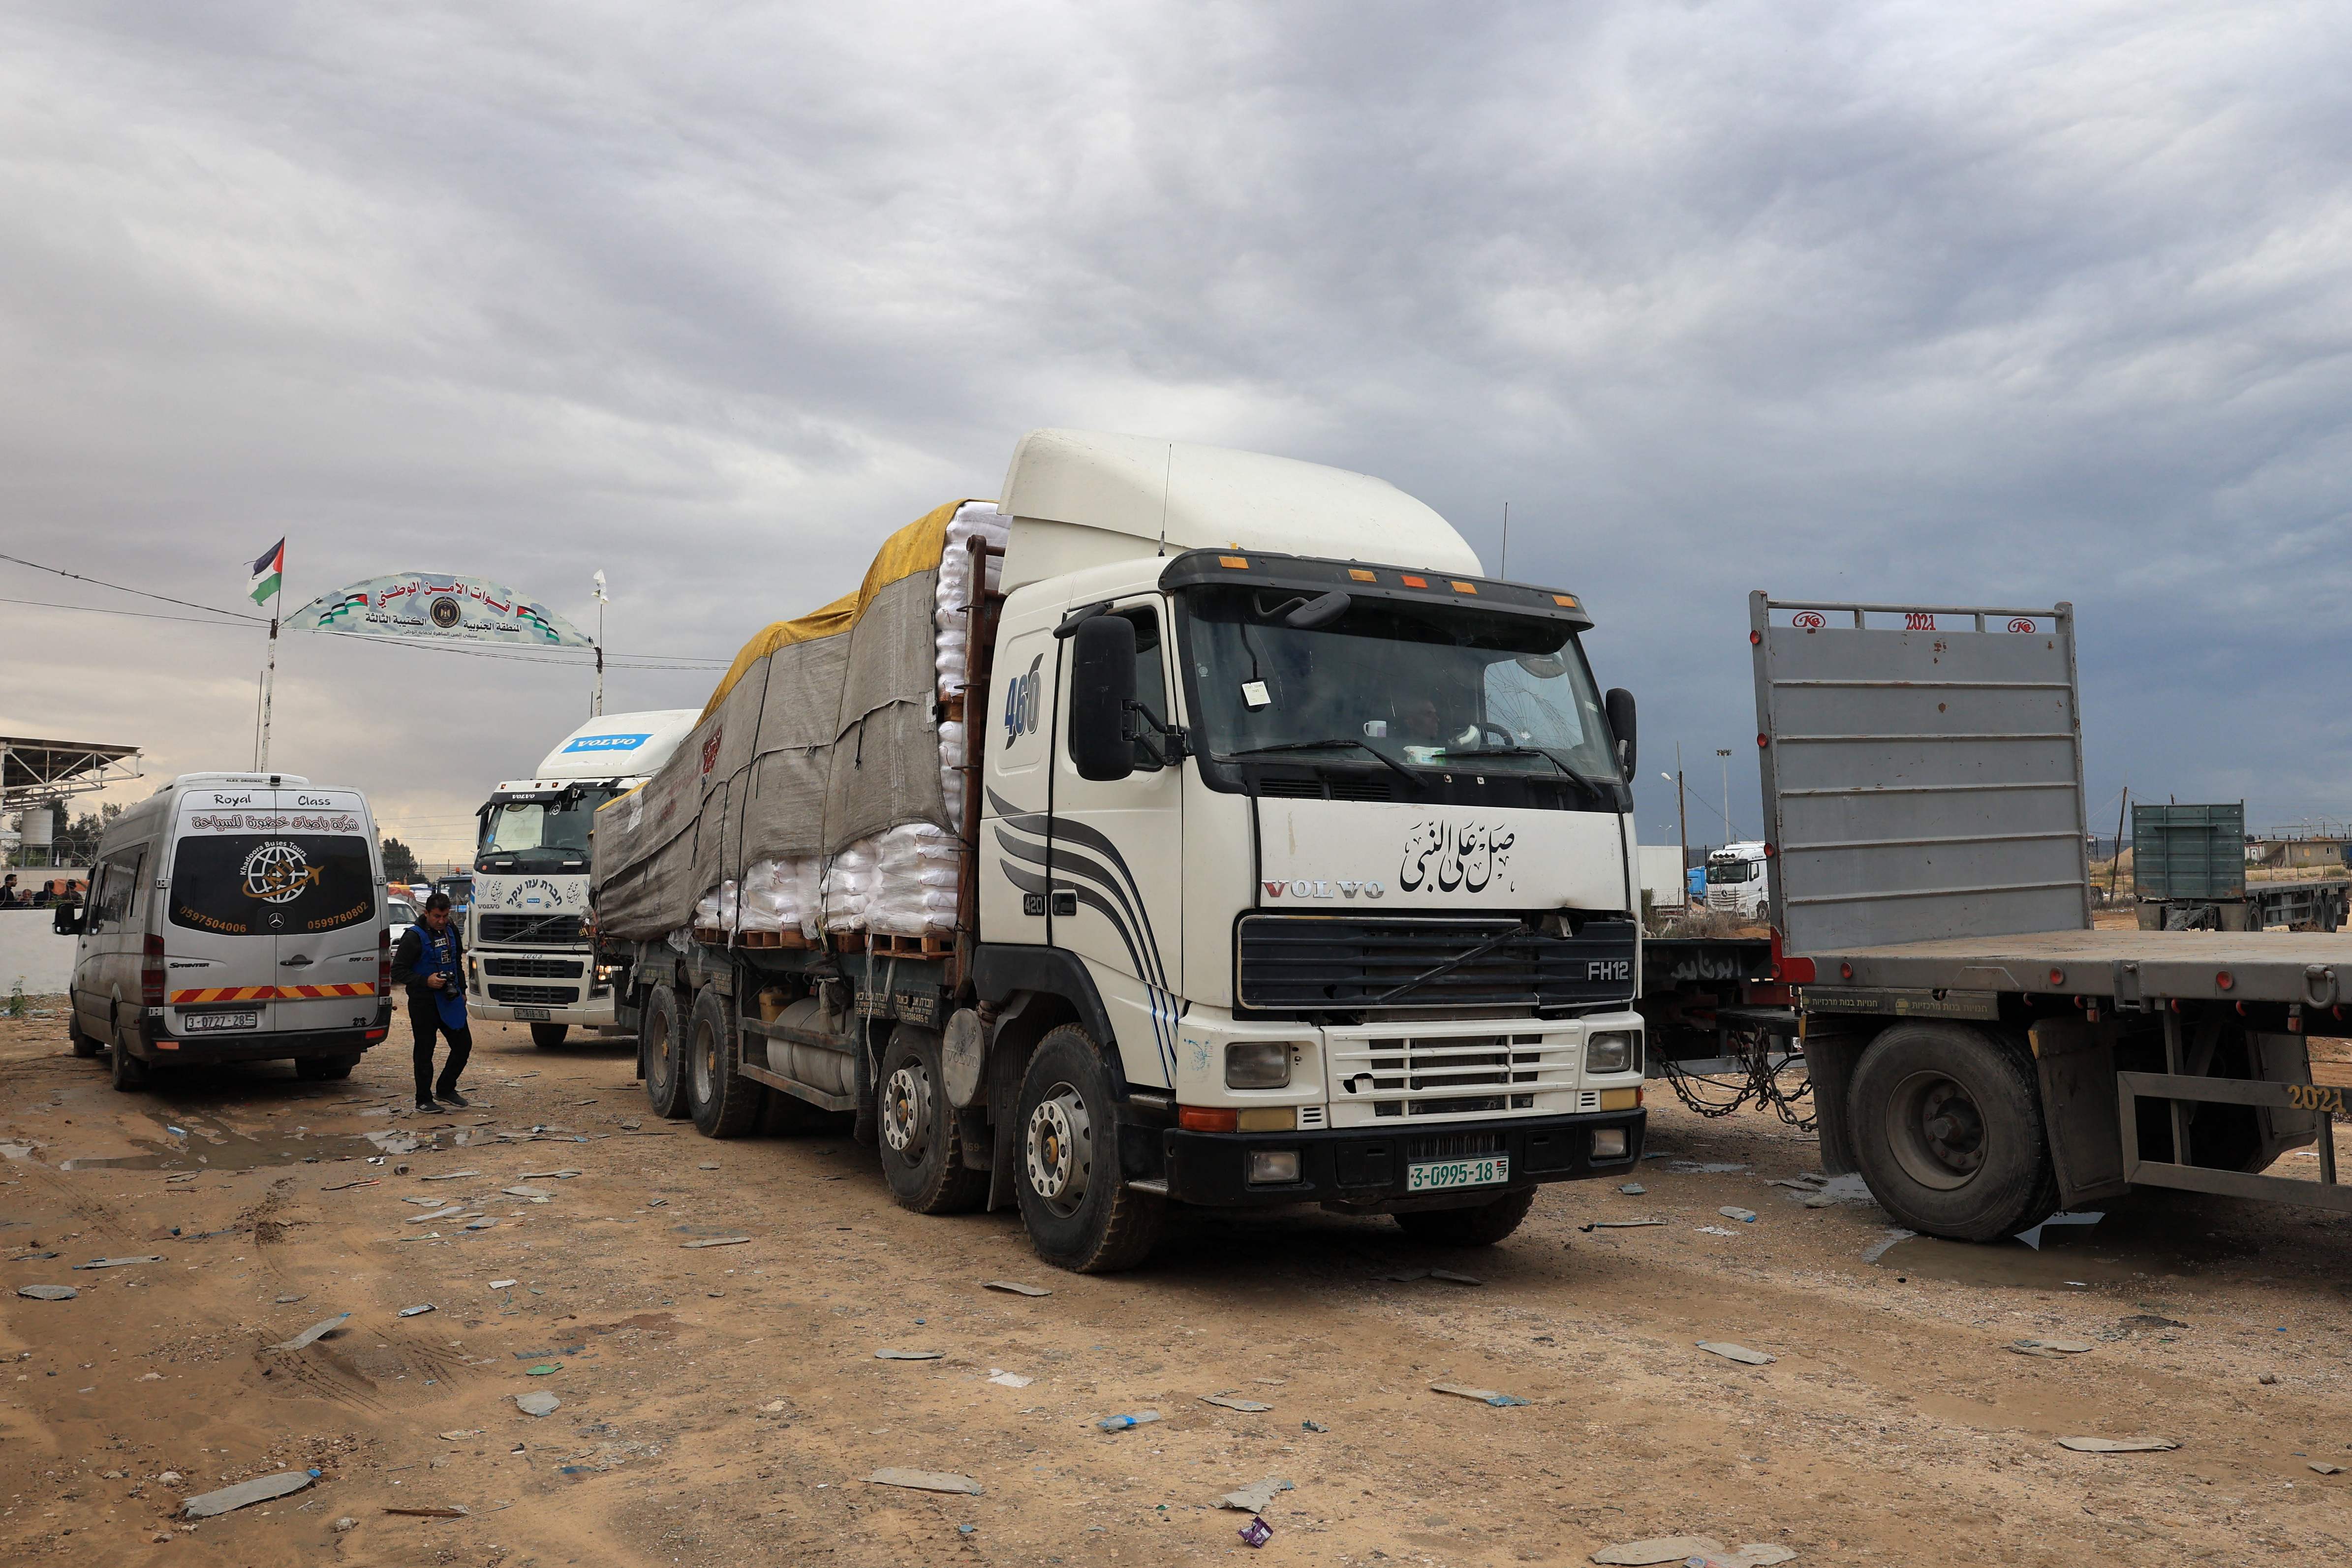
(269,572)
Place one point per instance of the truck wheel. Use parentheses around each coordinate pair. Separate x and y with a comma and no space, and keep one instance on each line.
(1482,1225)
(922,1144)
(128,1073)
(1080,1213)
(548,1036)
(724,1103)
(665,1063)
(1947,1130)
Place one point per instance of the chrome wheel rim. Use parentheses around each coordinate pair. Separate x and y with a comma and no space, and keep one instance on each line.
(1059,1150)
(906,1111)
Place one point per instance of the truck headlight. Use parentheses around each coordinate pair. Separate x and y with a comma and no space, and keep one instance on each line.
(1257,1064)
(1609,1144)
(1615,1051)
(1272,1167)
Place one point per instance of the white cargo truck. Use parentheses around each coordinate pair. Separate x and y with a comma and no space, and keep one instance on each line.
(1740,881)
(529,956)
(1188,827)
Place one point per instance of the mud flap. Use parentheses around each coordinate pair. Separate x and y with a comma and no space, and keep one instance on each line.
(2075,1063)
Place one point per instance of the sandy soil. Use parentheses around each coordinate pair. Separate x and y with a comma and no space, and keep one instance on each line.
(725,1404)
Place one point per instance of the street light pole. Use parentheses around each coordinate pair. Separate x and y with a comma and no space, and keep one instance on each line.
(596,706)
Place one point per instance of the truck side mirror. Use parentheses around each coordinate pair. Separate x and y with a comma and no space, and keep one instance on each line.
(67,920)
(1102,682)
(1620,705)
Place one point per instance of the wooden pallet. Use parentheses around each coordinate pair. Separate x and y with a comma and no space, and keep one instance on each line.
(710,936)
(784,939)
(930,944)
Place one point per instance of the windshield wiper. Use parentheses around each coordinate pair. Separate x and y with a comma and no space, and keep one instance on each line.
(1480,951)
(1394,765)
(1592,785)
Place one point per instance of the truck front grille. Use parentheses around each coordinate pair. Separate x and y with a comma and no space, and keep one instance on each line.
(1314,963)
(1402,1074)
(554,930)
(533,969)
(536,995)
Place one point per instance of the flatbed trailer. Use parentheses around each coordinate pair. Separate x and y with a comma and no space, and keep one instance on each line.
(1977,1050)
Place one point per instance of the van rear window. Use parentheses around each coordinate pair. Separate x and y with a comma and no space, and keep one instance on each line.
(262,884)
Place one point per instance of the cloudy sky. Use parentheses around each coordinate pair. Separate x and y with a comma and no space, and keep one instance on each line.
(2001,302)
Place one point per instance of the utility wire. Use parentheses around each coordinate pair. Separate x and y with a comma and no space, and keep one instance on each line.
(183,603)
(141,614)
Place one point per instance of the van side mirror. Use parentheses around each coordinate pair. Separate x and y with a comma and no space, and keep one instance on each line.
(67,921)
(1620,705)
(1102,682)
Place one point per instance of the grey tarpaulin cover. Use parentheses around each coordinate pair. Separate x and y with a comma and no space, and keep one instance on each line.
(825,732)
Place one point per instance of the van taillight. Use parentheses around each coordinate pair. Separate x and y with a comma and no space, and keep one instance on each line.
(383,962)
(151,974)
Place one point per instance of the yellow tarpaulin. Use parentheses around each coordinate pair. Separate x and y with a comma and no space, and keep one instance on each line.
(913,549)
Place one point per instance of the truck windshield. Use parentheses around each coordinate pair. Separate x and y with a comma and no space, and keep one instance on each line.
(544,834)
(1424,685)
(1731,871)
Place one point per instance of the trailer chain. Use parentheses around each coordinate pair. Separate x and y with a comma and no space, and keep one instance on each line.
(1758,1082)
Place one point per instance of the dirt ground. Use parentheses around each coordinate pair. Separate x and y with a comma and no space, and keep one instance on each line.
(725,1404)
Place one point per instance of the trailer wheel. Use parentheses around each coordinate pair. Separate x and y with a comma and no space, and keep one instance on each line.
(724,1102)
(1481,1225)
(1079,1211)
(1948,1132)
(548,1036)
(665,1066)
(922,1143)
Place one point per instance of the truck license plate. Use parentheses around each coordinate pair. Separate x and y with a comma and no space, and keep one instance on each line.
(194,1021)
(534,1015)
(1437,1175)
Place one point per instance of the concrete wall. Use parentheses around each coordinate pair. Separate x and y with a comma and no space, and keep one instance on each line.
(33,953)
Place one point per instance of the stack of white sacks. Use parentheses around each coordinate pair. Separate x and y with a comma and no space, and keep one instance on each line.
(903,881)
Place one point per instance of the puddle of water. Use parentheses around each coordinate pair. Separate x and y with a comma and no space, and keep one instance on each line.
(217,1147)
(2125,1249)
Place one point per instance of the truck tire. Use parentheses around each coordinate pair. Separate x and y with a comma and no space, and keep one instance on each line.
(1079,1211)
(1480,1225)
(665,1036)
(129,1074)
(922,1143)
(1947,1129)
(723,1103)
(548,1036)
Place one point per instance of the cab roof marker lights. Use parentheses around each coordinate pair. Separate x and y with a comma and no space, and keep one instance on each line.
(1412,581)
(1357,574)
(1240,563)
(1460,587)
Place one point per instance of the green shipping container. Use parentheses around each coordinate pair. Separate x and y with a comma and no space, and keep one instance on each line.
(2190,851)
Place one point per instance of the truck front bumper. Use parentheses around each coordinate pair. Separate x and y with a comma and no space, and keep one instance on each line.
(1359,1168)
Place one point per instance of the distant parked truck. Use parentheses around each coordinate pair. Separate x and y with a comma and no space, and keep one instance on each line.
(530,956)
(2188,873)
(1738,881)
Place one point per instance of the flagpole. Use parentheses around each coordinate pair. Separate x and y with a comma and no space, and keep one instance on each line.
(269,688)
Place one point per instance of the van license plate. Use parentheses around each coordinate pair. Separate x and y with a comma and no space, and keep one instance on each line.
(1437,1176)
(533,1015)
(194,1021)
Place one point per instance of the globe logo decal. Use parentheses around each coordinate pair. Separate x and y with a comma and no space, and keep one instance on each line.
(277,873)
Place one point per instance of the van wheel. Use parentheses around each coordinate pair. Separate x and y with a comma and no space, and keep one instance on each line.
(128,1073)
(85,1044)
(548,1036)
(1079,1211)
(1948,1133)
(922,1143)
(725,1103)
(1481,1225)
(665,1063)
(324,1068)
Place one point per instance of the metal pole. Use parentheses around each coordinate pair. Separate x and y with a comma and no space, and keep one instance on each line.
(1682,823)
(1729,832)
(596,703)
(2115,866)
(269,689)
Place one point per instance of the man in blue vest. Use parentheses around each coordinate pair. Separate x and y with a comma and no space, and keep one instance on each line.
(428,962)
